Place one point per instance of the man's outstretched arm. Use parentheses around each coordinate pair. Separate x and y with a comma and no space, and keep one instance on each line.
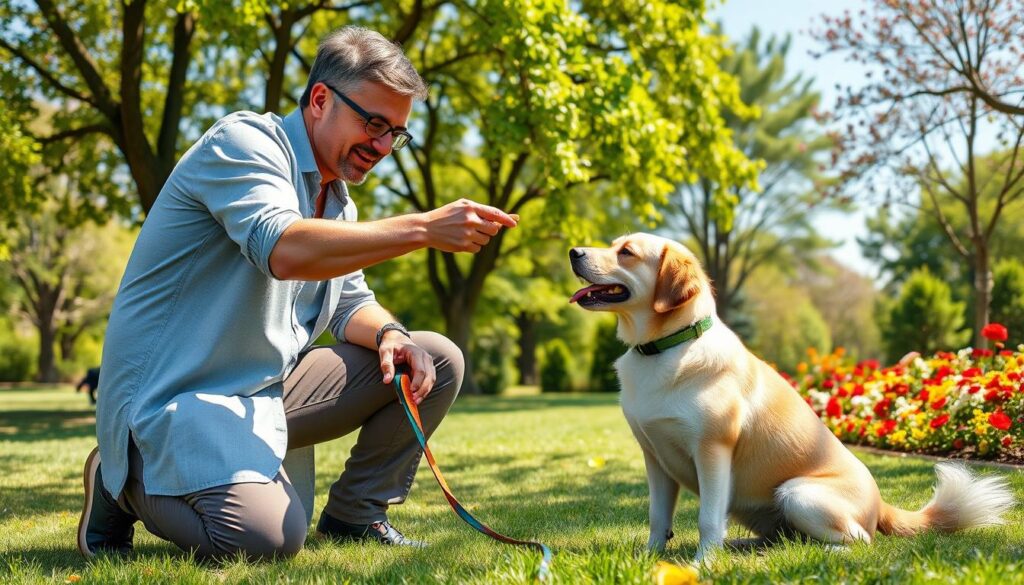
(317,249)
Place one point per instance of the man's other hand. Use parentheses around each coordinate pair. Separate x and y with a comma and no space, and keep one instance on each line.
(396,349)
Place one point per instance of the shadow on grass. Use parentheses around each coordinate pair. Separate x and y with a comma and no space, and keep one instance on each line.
(46,425)
(482,404)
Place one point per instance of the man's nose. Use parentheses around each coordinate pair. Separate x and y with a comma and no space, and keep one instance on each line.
(383,144)
(575,253)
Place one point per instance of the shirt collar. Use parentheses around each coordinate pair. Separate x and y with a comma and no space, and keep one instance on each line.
(295,129)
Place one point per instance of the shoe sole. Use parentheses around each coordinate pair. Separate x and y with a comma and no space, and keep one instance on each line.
(92,462)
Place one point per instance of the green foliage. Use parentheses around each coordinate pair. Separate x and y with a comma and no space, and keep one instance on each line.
(785,321)
(924,318)
(607,349)
(17,354)
(1008,299)
(21,154)
(555,367)
(493,366)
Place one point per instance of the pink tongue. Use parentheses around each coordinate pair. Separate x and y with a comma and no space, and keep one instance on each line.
(583,291)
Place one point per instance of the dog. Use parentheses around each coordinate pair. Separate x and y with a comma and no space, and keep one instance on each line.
(711,416)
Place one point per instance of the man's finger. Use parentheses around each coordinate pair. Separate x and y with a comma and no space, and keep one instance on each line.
(494,214)
(387,365)
(489,227)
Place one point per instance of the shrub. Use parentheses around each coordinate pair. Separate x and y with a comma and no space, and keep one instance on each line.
(555,367)
(17,359)
(1007,304)
(607,349)
(492,364)
(924,318)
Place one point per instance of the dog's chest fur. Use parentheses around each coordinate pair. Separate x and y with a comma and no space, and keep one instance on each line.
(670,403)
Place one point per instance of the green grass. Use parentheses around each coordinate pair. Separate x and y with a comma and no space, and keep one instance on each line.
(520,463)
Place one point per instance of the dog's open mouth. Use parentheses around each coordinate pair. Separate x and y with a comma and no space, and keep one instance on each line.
(600,293)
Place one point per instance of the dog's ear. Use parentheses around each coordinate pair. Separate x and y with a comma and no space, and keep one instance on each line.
(678,280)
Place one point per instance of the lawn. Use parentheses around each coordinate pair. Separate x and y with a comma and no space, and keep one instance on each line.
(563,469)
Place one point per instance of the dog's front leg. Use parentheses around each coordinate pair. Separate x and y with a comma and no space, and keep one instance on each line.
(714,477)
(664,493)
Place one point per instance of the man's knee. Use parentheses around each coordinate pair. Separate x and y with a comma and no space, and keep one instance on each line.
(448,360)
(266,541)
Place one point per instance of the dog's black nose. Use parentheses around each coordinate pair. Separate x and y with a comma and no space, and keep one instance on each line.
(575,253)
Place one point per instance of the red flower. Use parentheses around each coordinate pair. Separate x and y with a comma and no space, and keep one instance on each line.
(939,421)
(882,408)
(833,408)
(971,372)
(994,332)
(999,420)
(939,403)
(958,444)
(923,395)
(1007,440)
(886,428)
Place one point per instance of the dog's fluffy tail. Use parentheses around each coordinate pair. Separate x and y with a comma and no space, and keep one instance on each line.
(961,500)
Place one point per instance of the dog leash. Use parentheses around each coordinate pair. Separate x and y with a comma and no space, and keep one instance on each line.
(401,383)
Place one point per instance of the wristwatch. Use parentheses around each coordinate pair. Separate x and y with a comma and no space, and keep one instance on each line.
(392,326)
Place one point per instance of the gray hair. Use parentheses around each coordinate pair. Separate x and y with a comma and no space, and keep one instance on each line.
(351,55)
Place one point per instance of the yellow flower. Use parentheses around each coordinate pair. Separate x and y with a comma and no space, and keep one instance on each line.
(918,434)
(898,437)
(596,462)
(671,574)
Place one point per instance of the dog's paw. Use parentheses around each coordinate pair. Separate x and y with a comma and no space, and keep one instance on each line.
(658,541)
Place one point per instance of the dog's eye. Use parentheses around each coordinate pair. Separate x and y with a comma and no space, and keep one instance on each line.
(624,251)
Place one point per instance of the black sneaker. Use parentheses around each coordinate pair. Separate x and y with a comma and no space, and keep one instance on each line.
(382,532)
(104,526)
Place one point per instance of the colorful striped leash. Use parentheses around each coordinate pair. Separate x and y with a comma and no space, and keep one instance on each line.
(405,398)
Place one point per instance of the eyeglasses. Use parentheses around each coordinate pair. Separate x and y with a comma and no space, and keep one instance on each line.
(376,126)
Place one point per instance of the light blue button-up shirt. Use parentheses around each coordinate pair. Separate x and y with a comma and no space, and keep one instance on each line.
(202,334)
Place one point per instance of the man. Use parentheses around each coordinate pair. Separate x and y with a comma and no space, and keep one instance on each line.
(208,370)
(91,381)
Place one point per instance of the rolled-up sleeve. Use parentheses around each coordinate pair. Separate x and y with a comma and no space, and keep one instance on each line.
(243,175)
(354,296)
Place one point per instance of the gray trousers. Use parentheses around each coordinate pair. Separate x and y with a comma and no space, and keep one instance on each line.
(332,392)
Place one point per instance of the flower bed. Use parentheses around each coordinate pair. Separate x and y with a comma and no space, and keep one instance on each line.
(964,404)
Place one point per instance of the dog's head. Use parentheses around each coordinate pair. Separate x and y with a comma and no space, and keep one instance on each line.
(648,280)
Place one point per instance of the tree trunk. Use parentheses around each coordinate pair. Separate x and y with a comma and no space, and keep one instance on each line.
(527,360)
(982,291)
(46,363)
(458,317)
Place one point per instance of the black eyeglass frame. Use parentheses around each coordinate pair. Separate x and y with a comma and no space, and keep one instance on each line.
(399,136)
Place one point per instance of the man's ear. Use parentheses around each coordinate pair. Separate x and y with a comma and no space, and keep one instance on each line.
(678,281)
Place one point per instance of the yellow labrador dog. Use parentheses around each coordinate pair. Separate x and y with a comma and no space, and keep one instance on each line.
(714,418)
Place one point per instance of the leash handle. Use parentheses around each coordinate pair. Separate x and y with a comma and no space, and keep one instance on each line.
(401,383)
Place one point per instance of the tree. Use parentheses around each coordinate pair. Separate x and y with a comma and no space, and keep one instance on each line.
(533,103)
(562,97)
(924,318)
(770,225)
(66,277)
(950,72)
(139,76)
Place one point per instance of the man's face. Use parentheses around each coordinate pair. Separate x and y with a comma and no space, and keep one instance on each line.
(338,135)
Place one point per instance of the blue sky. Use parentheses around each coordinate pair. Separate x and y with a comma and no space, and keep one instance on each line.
(796,17)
